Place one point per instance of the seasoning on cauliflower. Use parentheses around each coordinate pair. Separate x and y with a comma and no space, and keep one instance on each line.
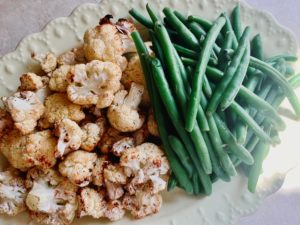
(91,135)
(114,190)
(12,193)
(78,167)
(145,163)
(26,151)
(152,125)
(94,83)
(109,138)
(115,174)
(70,135)
(47,61)
(123,114)
(58,107)
(30,82)
(114,210)
(72,57)
(91,203)
(58,80)
(6,123)
(142,204)
(97,173)
(109,42)
(52,203)
(25,109)
(120,146)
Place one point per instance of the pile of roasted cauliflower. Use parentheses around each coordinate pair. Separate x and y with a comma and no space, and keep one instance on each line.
(80,136)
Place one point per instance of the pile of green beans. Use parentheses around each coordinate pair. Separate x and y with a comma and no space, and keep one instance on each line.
(214,95)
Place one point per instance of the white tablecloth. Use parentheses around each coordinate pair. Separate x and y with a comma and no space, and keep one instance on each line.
(19,18)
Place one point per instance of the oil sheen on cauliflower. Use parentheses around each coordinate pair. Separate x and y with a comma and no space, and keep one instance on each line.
(30,82)
(12,193)
(94,83)
(25,109)
(123,114)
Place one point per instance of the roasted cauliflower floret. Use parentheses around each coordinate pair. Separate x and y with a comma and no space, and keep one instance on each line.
(58,107)
(109,138)
(26,151)
(50,176)
(78,167)
(140,136)
(142,204)
(25,109)
(114,210)
(6,123)
(91,203)
(58,80)
(97,173)
(120,146)
(123,114)
(114,190)
(30,82)
(12,193)
(52,203)
(70,135)
(47,61)
(152,125)
(145,163)
(94,83)
(115,174)
(91,135)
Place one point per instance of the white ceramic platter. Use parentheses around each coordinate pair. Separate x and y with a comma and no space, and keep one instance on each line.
(229,201)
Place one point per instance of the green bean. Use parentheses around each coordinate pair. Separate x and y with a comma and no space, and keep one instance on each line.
(236,21)
(228,28)
(295,81)
(200,71)
(241,132)
(156,47)
(238,150)
(196,30)
(229,73)
(141,18)
(280,80)
(170,105)
(203,22)
(196,184)
(288,58)
(289,71)
(259,155)
(152,14)
(191,62)
(187,36)
(223,55)
(180,151)
(181,17)
(185,52)
(176,167)
(172,182)
(257,47)
(234,86)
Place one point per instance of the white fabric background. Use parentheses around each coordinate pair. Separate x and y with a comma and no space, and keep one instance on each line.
(19,18)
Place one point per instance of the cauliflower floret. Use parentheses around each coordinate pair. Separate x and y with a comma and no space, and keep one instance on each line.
(91,203)
(145,163)
(94,83)
(109,138)
(48,61)
(152,125)
(120,146)
(26,151)
(140,136)
(52,203)
(48,175)
(12,193)
(31,82)
(115,174)
(108,42)
(123,113)
(70,135)
(114,191)
(97,173)
(6,122)
(58,107)
(114,210)
(78,167)
(76,55)
(25,109)
(58,80)
(142,204)
(91,135)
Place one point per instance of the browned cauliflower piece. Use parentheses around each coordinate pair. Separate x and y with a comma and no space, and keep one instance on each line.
(72,57)
(58,107)
(114,210)
(142,204)
(145,163)
(152,125)
(26,151)
(91,135)
(108,42)
(70,135)
(140,136)
(58,80)
(30,82)
(12,193)
(97,173)
(114,190)
(91,203)
(47,61)
(94,83)
(52,203)
(78,167)
(25,109)
(115,174)
(123,114)
(109,138)
(6,123)
(120,146)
